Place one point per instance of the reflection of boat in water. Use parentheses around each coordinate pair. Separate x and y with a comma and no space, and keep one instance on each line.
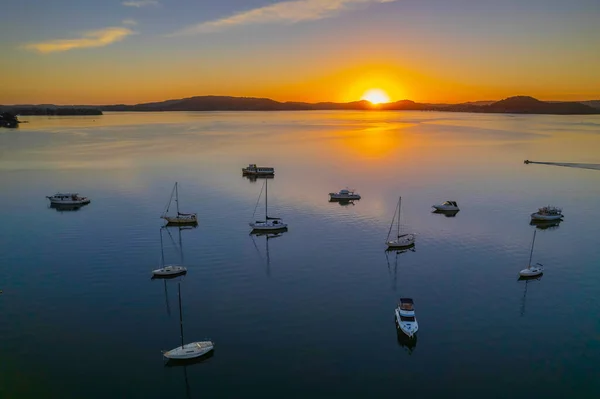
(448,214)
(65,208)
(179,218)
(545,224)
(398,252)
(270,223)
(344,195)
(547,213)
(406,342)
(253,178)
(268,236)
(191,350)
(171,270)
(402,240)
(527,281)
(343,202)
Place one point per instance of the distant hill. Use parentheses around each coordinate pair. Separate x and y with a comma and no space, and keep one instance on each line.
(50,109)
(526,105)
(515,105)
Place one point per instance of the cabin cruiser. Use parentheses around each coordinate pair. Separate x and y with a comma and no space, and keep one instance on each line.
(252,169)
(344,195)
(405,317)
(547,213)
(450,206)
(68,199)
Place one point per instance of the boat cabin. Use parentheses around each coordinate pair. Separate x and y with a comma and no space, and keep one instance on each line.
(406,304)
(450,203)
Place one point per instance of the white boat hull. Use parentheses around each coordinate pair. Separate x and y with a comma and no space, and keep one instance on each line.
(269,225)
(532,272)
(538,216)
(403,241)
(341,197)
(409,328)
(446,208)
(181,219)
(168,271)
(80,201)
(190,351)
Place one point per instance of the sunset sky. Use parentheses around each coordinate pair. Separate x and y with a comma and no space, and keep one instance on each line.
(132,51)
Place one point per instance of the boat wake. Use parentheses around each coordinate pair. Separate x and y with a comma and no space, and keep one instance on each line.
(594,166)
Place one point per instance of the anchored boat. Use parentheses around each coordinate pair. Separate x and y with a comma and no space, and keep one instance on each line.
(405,317)
(402,240)
(447,206)
(172,270)
(254,170)
(68,199)
(344,195)
(270,223)
(532,271)
(179,217)
(547,213)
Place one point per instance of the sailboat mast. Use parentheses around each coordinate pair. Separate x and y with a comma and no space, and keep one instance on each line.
(177,198)
(399,206)
(180,313)
(266,200)
(531,253)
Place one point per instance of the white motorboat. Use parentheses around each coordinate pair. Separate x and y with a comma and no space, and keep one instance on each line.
(191,350)
(344,195)
(254,170)
(405,317)
(179,217)
(404,240)
(270,223)
(547,213)
(447,206)
(532,271)
(167,271)
(68,199)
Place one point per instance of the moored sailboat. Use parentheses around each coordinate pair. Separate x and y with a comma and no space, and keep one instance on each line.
(532,271)
(270,223)
(172,270)
(404,240)
(179,217)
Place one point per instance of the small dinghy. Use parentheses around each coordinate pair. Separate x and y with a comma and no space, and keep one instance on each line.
(405,317)
(402,240)
(532,271)
(270,223)
(447,206)
(67,199)
(547,213)
(179,218)
(344,195)
(191,350)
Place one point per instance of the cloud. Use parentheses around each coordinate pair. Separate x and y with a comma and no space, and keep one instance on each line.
(97,38)
(140,3)
(283,12)
(129,22)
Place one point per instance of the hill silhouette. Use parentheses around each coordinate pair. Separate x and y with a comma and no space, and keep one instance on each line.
(514,105)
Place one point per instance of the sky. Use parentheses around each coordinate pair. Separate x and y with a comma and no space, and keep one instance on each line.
(439,51)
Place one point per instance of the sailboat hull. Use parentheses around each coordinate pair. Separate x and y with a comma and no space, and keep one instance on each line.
(271,225)
(169,271)
(181,219)
(531,272)
(190,351)
(404,241)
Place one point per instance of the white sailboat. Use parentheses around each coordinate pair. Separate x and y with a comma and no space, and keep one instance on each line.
(532,271)
(172,270)
(402,240)
(191,350)
(270,223)
(179,218)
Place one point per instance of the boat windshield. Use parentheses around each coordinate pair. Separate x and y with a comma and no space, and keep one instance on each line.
(407,306)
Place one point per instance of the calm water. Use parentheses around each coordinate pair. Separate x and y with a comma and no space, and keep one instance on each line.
(313,316)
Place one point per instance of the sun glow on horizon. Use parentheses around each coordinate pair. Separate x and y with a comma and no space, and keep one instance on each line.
(376,96)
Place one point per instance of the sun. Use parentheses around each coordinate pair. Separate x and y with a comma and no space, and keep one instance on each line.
(376,96)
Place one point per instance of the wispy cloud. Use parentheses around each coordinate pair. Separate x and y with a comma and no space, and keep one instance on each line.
(96,38)
(283,12)
(131,22)
(140,3)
